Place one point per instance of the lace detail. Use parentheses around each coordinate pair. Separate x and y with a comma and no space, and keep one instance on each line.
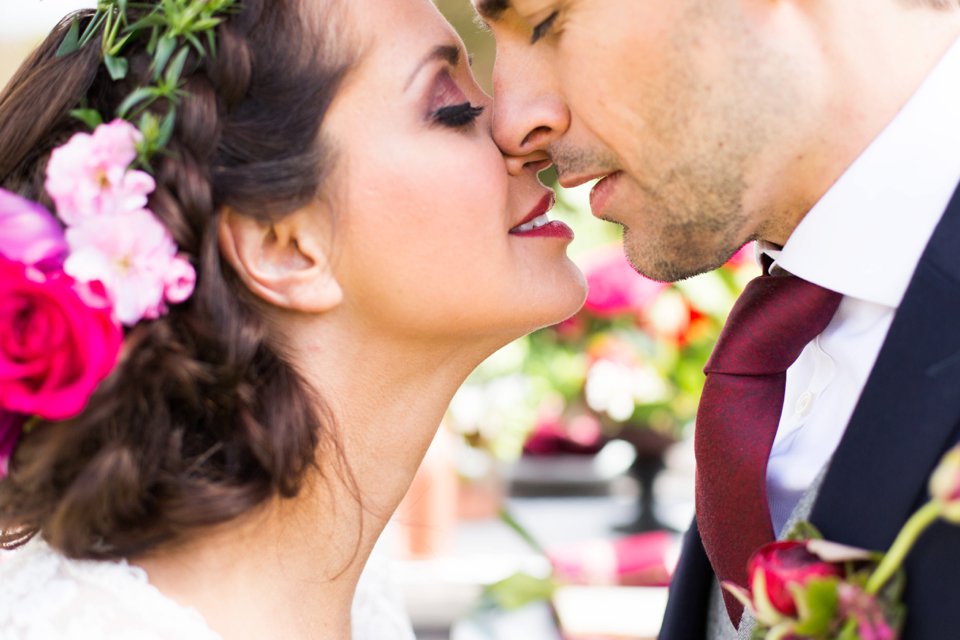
(49,597)
(46,596)
(378,609)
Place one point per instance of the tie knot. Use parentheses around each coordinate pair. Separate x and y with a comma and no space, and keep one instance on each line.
(770,324)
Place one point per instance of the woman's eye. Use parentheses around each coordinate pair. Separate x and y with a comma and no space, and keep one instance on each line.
(544,27)
(457,116)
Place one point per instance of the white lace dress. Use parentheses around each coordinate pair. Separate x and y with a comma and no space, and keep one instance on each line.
(45,596)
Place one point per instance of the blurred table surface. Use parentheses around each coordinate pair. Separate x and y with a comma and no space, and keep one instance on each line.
(442,590)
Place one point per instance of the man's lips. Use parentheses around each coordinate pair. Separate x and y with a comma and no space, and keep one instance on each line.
(569,181)
(603,192)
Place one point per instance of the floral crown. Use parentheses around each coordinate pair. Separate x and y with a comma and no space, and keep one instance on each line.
(70,282)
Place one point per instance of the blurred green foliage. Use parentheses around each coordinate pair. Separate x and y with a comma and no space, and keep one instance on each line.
(479,42)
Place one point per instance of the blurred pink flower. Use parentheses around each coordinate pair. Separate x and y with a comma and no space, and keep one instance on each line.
(29,234)
(571,329)
(135,258)
(615,288)
(89,175)
(867,612)
(746,255)
(551,436)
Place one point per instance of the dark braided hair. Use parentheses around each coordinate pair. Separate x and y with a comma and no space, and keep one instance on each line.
(204,418)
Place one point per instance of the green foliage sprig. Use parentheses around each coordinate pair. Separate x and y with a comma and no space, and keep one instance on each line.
(171,28)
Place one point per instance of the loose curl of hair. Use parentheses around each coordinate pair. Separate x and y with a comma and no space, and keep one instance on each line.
(204,418)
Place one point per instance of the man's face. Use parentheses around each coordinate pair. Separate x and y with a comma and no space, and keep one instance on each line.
(673,103)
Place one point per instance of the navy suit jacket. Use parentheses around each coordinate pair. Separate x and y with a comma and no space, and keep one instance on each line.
(906,418)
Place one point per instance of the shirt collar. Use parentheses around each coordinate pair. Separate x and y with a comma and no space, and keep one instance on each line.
(865,236)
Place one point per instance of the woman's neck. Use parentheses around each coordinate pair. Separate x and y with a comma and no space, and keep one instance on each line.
(290,569)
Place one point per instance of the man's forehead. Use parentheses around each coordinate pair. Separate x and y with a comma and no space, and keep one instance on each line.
(491,9)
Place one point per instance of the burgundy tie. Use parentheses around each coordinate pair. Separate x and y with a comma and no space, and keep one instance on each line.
(771,323)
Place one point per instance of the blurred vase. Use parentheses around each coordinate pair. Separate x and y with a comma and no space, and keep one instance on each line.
(651,446)
(481,486)
(427,516)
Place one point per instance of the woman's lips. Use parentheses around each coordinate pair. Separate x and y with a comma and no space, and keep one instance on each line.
(546,203)
(602,192)
(537,225)
(553,229)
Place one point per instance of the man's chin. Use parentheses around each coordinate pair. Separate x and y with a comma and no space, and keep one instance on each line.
(666,263)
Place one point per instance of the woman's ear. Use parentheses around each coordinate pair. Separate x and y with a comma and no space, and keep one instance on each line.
(285,263)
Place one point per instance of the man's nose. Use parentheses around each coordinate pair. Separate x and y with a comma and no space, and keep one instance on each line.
(529,113)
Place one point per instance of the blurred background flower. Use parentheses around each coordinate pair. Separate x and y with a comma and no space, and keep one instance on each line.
(630,361)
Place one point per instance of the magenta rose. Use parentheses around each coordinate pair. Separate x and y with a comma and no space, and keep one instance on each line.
(55,347)
(30,234)
(779,565)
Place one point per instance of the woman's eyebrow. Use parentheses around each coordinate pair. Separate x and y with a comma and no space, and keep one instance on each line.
(446,52)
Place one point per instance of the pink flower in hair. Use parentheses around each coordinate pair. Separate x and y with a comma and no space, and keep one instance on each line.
(90,176)
(135,259)
(180,280)
(29,233)
(54,348)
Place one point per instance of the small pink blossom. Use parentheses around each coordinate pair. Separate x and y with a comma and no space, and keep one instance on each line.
(180,280)
(90,176)
(134,257)
(866,611)
(29,234)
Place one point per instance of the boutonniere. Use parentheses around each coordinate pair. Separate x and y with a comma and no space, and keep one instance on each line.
(807,588)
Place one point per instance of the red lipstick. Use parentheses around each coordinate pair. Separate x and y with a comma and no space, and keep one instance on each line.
(536,224)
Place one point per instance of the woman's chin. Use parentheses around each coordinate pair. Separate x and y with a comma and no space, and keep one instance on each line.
(553,300)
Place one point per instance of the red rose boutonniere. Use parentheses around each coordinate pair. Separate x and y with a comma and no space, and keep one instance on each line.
(806,588)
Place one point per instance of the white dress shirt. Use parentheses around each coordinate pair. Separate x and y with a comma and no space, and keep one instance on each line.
(863,239)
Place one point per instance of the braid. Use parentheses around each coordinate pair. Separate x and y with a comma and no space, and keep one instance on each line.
(204,418)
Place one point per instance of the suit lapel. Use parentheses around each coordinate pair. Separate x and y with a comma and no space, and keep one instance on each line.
(909,409)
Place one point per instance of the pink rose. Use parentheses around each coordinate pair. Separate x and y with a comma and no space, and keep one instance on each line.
(54,348)
(29,233)
(778,566)
(89,175)
(11,424)
(615,288)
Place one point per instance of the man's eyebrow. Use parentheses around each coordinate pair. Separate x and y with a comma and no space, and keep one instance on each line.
(450,53)
(492,9)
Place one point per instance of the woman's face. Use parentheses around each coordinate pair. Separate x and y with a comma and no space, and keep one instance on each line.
(426,242)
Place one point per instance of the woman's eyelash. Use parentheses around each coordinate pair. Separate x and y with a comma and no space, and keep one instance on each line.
(457,115)
(543,28)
